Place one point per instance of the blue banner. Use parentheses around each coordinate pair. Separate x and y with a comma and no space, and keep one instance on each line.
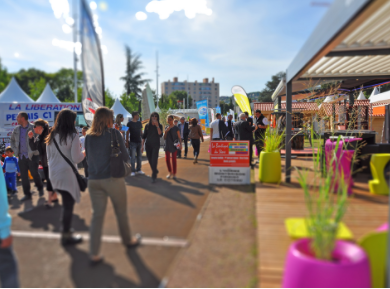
(218,109)
(203,111)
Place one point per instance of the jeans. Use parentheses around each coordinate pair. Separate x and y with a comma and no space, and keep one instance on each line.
(168,161)
(185,140)
(67,211)
(100,191)
(8,269)
(152,155)
(49,187)
(25,164)
(196,146)
(10,180)
(135,148)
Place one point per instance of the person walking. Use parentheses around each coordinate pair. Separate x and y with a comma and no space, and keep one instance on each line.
(8,265)
(11,168)
(28,158)
(151,142)
(218,129)
(172,145)
(195,135)
(41,130)
(101,185)
(184,131)
(134,143)
(64,181)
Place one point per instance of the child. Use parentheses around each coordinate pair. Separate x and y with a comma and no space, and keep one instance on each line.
(11,166)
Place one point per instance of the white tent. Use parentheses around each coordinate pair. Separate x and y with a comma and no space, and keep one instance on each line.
(119,109)
(13,93)
(48,96)
(374,92)
(361,96)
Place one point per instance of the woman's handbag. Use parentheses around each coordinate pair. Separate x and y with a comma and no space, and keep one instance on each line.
(81,180)
(119,168)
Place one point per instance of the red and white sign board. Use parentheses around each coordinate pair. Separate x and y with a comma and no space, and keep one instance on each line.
(229,162)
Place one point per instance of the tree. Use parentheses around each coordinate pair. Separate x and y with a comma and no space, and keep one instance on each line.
(31,75)
(270,86)
(4,77)
(129,102)
(133,79)
(180,95)
(109,98)
(36,88)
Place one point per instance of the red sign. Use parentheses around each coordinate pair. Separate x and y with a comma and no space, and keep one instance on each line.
(229,154)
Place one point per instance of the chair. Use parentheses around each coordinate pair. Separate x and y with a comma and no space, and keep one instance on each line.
(375,245)
(378,163)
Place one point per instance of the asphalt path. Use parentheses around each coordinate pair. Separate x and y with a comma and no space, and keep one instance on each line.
(163,213)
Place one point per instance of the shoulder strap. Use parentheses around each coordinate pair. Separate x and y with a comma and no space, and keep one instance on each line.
(65,158)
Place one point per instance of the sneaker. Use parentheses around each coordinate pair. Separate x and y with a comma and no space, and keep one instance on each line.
(71,240)
(185,156)
(140,173)
(14,192)
(132,175)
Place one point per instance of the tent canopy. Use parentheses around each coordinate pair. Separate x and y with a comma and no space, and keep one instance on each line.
(119,109)
(48,96)
(13,93)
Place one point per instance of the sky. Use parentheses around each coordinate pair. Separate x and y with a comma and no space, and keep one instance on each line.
(240,43)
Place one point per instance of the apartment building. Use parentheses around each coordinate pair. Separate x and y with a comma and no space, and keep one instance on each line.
(197,90)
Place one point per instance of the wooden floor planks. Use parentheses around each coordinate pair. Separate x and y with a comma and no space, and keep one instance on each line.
(275,203)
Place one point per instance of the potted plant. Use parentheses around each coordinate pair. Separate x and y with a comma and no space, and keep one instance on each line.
(270,167)
(321,260)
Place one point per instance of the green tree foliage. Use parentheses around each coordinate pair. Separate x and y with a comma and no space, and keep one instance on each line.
(270,86)
(129,102)
(4,77)
(36,88)
(62,83)
(226,106)
(109,98)
(133,80)
(28,77)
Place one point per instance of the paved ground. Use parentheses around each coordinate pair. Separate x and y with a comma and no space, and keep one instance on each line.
(163,213)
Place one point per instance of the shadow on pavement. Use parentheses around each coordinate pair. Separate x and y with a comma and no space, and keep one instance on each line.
(167,189)
(41,217)
(103,275)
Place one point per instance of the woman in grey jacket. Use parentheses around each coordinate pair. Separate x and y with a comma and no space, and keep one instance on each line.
(62,177)
(101,185)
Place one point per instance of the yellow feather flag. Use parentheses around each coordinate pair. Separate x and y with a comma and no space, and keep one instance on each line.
(241,99)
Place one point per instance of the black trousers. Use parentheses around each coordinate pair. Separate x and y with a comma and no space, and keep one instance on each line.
(250,152)
(185,140)
(196,146)
(67,211)
(49,187)
(25,165)
(152,155)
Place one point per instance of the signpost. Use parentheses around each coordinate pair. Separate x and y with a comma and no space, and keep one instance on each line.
(229,163)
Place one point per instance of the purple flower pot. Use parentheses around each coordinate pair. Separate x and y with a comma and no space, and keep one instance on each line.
(351,268)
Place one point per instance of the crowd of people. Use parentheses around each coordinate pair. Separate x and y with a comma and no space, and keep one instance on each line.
(59,150)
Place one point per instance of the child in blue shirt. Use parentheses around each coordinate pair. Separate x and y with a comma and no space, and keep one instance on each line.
(11,167)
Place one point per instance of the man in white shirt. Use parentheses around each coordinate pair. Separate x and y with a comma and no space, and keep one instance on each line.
(215,129)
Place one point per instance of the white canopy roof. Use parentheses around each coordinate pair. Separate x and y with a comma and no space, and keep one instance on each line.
(13,93)
(374,92)
(119,109)
(48,96)
(380,98)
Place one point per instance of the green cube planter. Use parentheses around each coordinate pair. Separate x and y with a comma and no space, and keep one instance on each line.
(270,167)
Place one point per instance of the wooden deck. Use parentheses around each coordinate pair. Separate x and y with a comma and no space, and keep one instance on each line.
(275,203)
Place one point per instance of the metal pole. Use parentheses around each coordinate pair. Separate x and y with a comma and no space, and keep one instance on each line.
(74,48)
(288,130)
(157,77)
